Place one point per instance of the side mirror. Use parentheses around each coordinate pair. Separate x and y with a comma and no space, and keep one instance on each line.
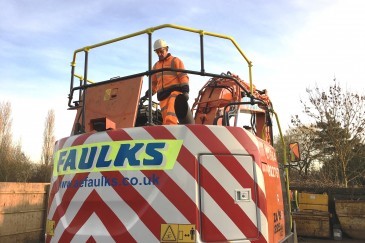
(294,152)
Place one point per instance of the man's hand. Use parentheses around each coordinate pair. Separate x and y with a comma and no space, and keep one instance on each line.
(147,94)
(186,96)
(185,90)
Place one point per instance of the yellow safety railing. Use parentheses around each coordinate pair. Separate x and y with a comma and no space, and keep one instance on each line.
(286,164)
(152,29)
(82,78)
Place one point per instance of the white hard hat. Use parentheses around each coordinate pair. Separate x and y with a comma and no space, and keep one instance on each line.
(159,44)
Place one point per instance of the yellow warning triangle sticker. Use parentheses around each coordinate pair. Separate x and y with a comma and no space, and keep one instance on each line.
(169,235)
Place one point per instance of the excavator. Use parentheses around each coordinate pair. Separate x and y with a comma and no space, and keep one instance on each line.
(122,176)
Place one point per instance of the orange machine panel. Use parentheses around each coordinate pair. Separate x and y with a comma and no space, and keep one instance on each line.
(116,103)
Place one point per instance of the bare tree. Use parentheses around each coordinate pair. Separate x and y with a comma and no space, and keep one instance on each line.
(14,164)
(339,117)
(5,140)
(5,124)
(21,164)
(48,138)
(306,136)
(44,171)
(304,171)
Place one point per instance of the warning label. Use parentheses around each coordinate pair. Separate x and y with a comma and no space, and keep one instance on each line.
(178,233)
(50,227)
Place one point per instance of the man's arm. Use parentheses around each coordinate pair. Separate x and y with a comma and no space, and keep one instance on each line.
(183,77)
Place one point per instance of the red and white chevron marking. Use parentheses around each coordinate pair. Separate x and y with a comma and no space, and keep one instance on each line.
(198,190)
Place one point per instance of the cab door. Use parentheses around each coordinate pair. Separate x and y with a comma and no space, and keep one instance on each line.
(228,197)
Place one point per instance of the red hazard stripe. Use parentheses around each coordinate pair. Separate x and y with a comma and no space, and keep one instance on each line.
(176,196)
(190,161)
(48,238)
(139,204)
(61,142)
(55,186)
(54,190)
(210,229)
(81,139)
(67,197)
(235,167)
(117,230)
(91,240)
(214,144)
(171,190)
(118,135)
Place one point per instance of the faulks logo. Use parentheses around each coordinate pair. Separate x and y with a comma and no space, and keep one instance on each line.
(119,155)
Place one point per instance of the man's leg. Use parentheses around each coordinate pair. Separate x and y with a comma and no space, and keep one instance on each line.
(168,109)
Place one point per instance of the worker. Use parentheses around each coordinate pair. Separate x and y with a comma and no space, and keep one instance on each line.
(169,84)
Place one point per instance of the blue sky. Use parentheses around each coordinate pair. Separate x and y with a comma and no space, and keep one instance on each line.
(293,44)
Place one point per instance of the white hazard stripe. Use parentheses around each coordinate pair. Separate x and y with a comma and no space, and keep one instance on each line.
(184,180)
(220,173)
(86,231)
(259,174)
(230,142)
(98,137)
(126,214)
(260,178)
(217,215)
(54,204)
(57,199)
(191,142)
(69,142)
(253,138)
(263,227)
(139,132)
(162,205)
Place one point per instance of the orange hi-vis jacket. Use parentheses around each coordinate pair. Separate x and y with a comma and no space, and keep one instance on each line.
(169,80)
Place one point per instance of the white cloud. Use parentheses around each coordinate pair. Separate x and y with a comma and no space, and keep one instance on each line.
(328,44)
(332,44)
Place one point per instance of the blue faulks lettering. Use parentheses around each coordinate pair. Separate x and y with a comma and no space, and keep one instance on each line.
(70,161)
(118,155)
(129,154)
(156,155)
(87,159)
(61,160)
(102,162)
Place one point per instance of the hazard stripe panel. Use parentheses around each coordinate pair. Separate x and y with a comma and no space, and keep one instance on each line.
(214,191)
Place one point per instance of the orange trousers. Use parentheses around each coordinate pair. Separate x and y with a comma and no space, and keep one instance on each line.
(168,109)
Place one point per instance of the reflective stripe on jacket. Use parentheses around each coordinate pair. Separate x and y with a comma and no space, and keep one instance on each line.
(168,79)
(168,109)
